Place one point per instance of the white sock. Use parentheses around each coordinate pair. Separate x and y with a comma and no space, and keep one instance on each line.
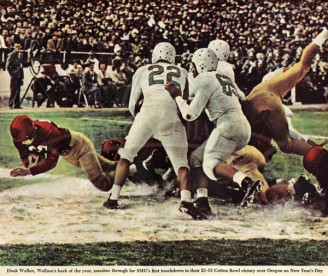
(321,38)
(202,192)
(238,177)
(116,189)
(133,169)
(185,195)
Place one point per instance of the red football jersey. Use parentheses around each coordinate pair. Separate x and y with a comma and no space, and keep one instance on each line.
(50,140)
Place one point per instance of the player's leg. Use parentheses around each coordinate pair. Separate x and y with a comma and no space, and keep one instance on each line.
(200,180)
(251,162)
(175,144)
(83,154)
(106,164)
(283,83)
(224,140)
(275,122)
(139,134)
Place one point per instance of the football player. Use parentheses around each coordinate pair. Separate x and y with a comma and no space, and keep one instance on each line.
(266,114)
(221,49)
(152,156)
(44,137)
(158,118)
(231,133)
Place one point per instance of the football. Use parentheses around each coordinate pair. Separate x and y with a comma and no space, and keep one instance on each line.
(35,158)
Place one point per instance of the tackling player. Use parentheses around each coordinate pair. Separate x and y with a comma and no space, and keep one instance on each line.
(158,118)
(47,139)
(232,131)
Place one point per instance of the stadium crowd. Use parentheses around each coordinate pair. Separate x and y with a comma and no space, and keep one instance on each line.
(263,35)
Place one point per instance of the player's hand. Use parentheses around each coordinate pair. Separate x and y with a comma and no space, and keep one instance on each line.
(20,172)
(173,90)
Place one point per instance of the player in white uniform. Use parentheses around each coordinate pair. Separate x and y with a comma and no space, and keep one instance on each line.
(215,93)
(221,49)
(158,118)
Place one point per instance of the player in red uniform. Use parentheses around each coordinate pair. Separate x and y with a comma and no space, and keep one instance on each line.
(46,138)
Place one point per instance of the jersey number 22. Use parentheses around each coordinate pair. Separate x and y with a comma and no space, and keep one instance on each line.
(156,70)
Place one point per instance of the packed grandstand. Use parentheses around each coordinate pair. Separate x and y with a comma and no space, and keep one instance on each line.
(263,35)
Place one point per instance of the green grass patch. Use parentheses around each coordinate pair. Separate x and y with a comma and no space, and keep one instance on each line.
(9,183)
(177,253)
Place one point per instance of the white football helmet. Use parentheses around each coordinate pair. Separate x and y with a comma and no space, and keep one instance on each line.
(221,48)
(163,51)
(205,60)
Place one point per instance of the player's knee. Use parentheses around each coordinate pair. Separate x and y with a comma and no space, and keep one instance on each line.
(195,160)
(103,183)
(209,166)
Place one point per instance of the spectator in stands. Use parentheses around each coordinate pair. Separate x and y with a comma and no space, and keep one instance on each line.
(92,58)
(14,67)
(107,87)
(118,76)
(72,88)
(54,46)
(90,86)
(267,27)
(3,39)
(62,97)
(77,67)
(43,90)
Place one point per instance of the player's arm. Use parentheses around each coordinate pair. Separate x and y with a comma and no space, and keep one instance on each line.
(46,164)
(136,92)
(189,112)
(54,139)
(185,94)
(23,153)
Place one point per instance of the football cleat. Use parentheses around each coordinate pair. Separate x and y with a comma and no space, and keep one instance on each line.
(110,204)
(202,204)
(251,188)
(305,190)
(190,209)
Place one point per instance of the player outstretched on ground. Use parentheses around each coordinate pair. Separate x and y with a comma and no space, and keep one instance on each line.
(41,143)
(231,133)
(158,118)
(265,112)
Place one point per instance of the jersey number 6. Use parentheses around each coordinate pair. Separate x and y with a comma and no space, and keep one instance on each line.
(226,85)
(157,70)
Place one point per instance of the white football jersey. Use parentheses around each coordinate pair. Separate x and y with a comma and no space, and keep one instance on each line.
(215,93)
(149,80)
(226,69)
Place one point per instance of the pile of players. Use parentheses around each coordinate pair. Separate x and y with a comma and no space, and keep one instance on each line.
(164,97)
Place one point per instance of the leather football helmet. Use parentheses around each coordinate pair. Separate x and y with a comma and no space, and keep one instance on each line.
(109,149)
(221,48)
(164,51)
(205,60)
(22,128)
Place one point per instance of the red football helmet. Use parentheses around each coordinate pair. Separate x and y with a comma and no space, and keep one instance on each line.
(109,149)
(22,128)
(315,160)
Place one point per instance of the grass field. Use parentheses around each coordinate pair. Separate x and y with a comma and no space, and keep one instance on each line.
(103,124)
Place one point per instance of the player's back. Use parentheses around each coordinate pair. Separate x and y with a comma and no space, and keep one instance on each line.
(153,79)
(222,99)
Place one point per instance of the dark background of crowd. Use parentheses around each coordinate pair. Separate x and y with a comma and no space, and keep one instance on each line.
(263,35)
